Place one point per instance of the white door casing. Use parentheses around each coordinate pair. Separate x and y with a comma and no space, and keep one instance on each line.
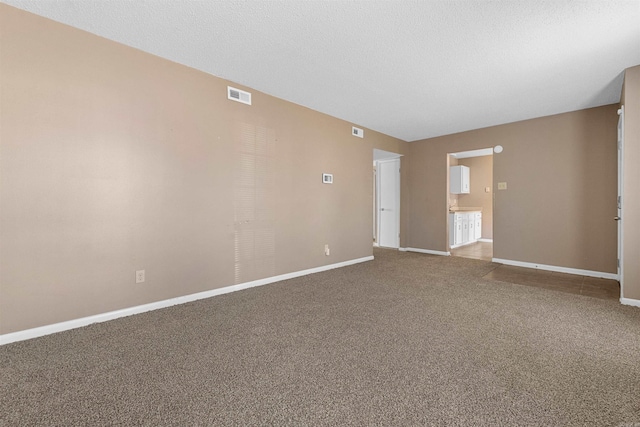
(388,172)
(619,218)
(375,206)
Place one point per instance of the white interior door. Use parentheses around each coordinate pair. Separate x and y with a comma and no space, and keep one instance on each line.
(620,188)
(388,172)
(375,206)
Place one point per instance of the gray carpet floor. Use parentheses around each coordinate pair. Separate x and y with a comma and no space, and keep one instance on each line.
(407,339)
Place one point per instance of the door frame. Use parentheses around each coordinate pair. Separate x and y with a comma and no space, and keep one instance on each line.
(375,204)
(478,152)
(397,200)
(620,200)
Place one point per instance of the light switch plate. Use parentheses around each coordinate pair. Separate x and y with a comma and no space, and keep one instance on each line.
(502,186)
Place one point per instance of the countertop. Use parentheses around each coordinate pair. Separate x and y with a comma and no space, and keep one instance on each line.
(464,209)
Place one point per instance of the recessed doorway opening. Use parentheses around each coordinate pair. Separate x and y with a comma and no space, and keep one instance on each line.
(470,204)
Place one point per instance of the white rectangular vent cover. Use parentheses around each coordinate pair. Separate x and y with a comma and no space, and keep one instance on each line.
(238,95)
(357,132)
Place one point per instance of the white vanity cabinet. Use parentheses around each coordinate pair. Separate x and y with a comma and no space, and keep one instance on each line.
(464,228)
(459,180)
(455,229)
(478,226)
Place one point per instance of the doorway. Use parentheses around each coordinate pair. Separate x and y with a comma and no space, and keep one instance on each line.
(470,204)
(618,218)
(386,199)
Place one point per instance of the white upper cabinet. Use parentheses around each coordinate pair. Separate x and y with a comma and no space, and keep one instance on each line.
(459,180)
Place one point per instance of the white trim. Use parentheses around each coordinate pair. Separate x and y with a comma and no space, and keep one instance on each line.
(485,240)
(426,251)
(103,317)
(397,190)
(577,271)
(620,211)
(384,155)
(630,301)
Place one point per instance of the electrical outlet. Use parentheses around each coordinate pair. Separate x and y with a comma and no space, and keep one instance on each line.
(327,251)
(140,276)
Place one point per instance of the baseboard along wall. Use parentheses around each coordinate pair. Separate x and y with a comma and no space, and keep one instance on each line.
(577,271)
(426,251)
(630,301)
(85,321)
(103,317)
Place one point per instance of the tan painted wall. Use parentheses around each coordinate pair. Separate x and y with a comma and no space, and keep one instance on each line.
(113,160)
(481,176)
(631,180)
(561,196)
(453,198)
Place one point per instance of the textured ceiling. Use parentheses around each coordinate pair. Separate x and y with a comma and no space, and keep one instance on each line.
(410,69)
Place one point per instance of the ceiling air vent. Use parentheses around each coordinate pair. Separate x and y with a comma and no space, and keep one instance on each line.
(238,95)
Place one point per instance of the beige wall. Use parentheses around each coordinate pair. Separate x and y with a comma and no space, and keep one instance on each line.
(481,176)
(113,160)
(631,180)
(453,198)
(561,196)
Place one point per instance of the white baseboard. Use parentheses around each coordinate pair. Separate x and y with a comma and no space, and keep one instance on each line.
(629,301)
(85,321)
(577,271)
(485,240)
(426,251)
